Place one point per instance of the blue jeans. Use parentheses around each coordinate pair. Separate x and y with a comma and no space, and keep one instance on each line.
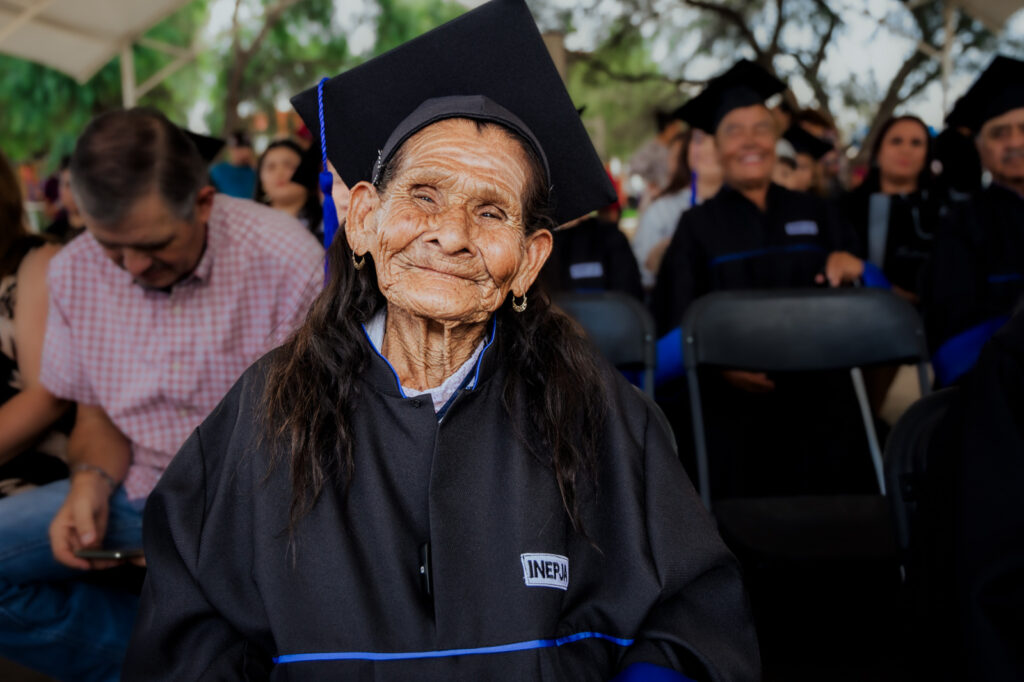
(51,620)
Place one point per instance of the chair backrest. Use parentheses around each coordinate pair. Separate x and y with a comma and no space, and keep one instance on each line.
(799,330)
(804,329)
(619,326)
(906,459)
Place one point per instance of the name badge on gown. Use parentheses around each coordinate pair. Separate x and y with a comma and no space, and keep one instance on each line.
(545,570)
(802,228)
(586,270)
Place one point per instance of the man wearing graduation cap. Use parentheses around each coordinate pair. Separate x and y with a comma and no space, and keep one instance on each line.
(978,265)
(437,478)
(153,314)
(755,234)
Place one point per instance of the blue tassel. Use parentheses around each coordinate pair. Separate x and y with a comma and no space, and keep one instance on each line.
(330,210)
(326,180)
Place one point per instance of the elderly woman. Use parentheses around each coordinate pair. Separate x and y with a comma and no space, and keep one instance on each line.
(436,478)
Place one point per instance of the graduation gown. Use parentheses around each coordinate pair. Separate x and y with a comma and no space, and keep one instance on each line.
(225,594)
(908,238)
(728,243)
(805,436)
(977,271)
(968,534)
(592,256)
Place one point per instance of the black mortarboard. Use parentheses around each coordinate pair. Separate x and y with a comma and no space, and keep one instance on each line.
(489,64)
(998,89)
(805,143)
(209,147)
(743,85)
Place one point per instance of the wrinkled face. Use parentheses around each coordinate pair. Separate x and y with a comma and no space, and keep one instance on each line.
(1001,146)
(447,236)
(157,247)
(902,154)
(746,146)
(276,170)
(703,158)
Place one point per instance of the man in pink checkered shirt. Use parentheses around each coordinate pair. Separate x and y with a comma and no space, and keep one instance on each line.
(153,315)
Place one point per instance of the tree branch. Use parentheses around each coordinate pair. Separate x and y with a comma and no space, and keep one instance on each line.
(737,19)
(270,18)
(626,77)
(773,46)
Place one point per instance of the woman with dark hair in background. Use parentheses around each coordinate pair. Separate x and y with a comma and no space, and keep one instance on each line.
(287,184)
(695,175)
(895,210)
(31,452)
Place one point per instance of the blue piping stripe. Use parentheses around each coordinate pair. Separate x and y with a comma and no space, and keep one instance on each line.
(479,360)
(1002,279)
(446,653)
(370,341)
(767,251)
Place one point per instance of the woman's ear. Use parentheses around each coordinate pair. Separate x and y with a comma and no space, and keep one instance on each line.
(538,249)
(361,224)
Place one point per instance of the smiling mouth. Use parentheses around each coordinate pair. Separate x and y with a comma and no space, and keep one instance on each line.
(443,273)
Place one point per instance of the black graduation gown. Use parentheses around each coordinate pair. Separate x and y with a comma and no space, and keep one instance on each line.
(910,234)
(968,537)
(592,256)
(805,436)
(977,271)
(224,593)
(728,243)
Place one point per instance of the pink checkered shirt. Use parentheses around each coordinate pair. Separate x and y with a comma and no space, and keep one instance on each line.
(158,363)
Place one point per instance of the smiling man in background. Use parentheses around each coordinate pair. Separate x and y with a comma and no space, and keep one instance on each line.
(154,314)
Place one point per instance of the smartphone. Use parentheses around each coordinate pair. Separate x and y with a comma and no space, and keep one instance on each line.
(118,553)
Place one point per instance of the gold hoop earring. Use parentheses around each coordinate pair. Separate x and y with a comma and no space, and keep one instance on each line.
(518,307)
(358,261)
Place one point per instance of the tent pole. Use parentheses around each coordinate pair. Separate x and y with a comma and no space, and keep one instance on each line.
(127,76)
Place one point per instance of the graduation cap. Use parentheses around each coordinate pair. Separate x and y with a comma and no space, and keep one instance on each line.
(1000,88)
(744,85)
(209,147)
(805,143)
(490,64)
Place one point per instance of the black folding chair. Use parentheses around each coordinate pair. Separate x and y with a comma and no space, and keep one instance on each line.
(799,330)
(906,462)
(619,326)
(822,569)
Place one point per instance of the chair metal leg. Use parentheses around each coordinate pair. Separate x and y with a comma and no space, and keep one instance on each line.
(699,437)
(869,425)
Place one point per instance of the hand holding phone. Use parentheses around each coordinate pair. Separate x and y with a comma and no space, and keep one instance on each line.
(114,554)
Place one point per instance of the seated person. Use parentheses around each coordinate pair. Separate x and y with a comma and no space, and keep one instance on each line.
(287,184)
(895,210)
(153,314)
(68,223)
(591,254)
(808,151)
(695,177)
(235,176)
(32,445)
(436,465)
(977,270)
(754,234)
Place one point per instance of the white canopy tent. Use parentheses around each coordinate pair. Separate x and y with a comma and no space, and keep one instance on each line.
(79,37)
